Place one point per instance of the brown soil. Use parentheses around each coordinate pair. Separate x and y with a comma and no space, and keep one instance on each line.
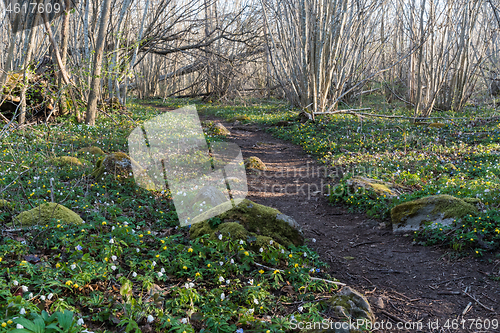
(403,282)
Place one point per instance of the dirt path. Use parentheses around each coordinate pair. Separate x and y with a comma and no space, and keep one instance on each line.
(403,282)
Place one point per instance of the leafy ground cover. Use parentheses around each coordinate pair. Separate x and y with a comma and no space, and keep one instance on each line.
(458,156)
(129,265)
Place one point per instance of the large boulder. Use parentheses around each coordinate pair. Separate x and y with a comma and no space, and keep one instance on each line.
(45,213)
(441,209)
(251,222)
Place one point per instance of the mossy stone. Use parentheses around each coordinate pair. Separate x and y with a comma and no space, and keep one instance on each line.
(92,150)
(63,161)
(255,163)
(442,209)
(46,212)
(219,129)
(380,188)
(251,221)
(349,306)
(118,164)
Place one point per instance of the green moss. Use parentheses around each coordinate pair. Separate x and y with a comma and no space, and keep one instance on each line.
(45,213)
(63,161)
(249,219)
(436,125)
(448,206)
(450,166)
(4,204)
(118,164)
(92,150)
(472,201)
(255,163)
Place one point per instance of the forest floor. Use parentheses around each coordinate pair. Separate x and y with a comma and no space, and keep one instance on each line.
(404,282)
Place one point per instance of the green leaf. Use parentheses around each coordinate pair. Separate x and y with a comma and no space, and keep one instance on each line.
(126,288)
(65,319)
(28,324)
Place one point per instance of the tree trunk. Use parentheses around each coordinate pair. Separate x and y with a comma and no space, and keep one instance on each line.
(96,73)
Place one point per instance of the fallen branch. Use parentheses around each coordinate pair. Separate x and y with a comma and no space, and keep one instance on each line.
(393,317)
(484,306)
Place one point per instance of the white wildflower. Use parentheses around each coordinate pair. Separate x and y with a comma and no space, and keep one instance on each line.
(50,296)
(80,322)
(222,296)
(150,319)
(113,257)
(256,301)
(113,267)
(221,279)
(134,274)
(42,297)
(220,237)
(22,311)
(25,289)
(111,241)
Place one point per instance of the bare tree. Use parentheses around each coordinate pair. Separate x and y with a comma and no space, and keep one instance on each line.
(94,86)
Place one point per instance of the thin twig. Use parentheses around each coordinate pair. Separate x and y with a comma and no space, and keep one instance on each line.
(484,306)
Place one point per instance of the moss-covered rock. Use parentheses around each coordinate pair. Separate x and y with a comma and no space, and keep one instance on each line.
(255,163)
(117,164)
(91,150)
(380,188)
(239,118)
(213,128)
(46,212)
(219,129)
(210,194)
(441,209)
(63,161)
(252,222)
(348,305)
(5,205)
